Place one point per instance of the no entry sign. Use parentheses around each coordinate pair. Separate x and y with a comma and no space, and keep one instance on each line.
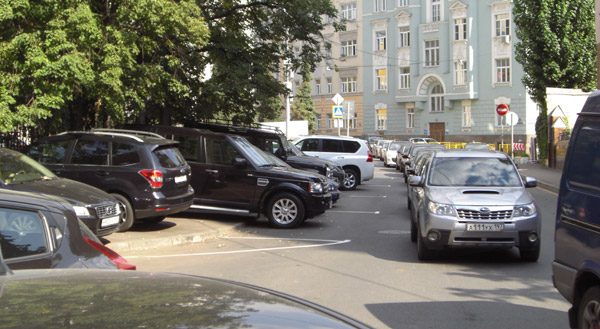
(502,109)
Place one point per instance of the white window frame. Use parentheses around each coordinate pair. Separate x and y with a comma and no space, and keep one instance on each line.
(329,119)
(436,11)
(381,40)
(460,73)
(318,86)
(352,122)
(503,70)
(404,76)
(381,79)
(502,24)
(329,86)
(349,84)
(432,53)
(380,5)
(501,120)
(410,118)
(381,119)
(404,36)
(436,101)
(402,3)
(318,122)
(348,11)
(349,48)
(466,116)
(460,29)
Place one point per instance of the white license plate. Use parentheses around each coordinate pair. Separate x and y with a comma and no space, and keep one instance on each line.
(496,227)
(180,179)
(330,205)
(110,221)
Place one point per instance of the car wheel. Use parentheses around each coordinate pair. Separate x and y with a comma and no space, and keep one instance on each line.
(127,210)
(350,180)
(285,210)
(154,220)
(530,255)
(423,253)
(588,315)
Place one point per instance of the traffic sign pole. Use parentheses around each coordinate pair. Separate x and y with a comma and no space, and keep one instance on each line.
(338,99)
(502,109)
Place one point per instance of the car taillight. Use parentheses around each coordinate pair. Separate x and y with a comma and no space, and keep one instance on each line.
(370,157)
(154,177)
(121,262)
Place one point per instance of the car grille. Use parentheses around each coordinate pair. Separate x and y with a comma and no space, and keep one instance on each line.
(488,215)
(107,210)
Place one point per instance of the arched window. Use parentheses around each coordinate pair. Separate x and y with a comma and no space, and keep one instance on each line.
(437,99)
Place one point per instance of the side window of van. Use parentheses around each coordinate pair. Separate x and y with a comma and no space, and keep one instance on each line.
(585,159)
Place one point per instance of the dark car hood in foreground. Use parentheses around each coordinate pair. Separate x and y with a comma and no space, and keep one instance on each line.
(70,190)
(123,299)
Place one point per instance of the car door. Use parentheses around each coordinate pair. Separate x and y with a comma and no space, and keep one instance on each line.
(52,153)
(89,162)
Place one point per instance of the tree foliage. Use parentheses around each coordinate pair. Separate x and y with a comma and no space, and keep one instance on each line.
(556,48)
(304,107)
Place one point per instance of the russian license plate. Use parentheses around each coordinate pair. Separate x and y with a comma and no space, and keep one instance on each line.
(495,227)
(109,221)
(180,179)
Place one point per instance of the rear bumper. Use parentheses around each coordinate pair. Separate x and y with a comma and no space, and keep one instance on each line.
(160,205)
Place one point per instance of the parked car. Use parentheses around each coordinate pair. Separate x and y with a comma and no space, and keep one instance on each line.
(384,149)
(378,147)
(576,265)
(402,156)
(411,155)
(42,231)
(476,146)
(97,209)
(349,152)
(422,140)
(389,158)
(475,200)
(232,176)
(143,171)
(75,298)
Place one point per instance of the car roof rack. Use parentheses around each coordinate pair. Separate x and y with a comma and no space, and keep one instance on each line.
(231,127)
(127,131)
(132,134)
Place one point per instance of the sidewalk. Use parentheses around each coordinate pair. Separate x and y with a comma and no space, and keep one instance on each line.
(547,178)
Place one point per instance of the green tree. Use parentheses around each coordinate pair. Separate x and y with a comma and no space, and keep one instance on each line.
(557,49)
(303,107)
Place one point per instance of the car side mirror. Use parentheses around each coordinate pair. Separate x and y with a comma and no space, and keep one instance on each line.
(410,171)
(407,163)
(415,181)
(530,182)
(240,163)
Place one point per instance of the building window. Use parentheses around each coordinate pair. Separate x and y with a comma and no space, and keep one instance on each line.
(502,25)
(318,122)
(329,86)
(437,99)
(380,40)
(381,75)
(460,73)
(410,118)
(436,10)
(466,117)
(402,3)
(349,48)
(460,29)
(380,5)
(349,85)
(405,77)
(349,11)
(501,120)
(381,119)
(404,32)
(432,53)
(503,70)
(352,122)
(329,121)
(318,86)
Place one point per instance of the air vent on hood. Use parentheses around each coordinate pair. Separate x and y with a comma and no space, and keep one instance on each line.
(480,192)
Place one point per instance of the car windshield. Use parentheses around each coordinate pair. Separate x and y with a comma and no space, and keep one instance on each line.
(254,154)
(473,171)
(17,168)
(394,147)
(295,150)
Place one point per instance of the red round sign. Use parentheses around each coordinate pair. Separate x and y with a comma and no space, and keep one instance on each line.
(502,109)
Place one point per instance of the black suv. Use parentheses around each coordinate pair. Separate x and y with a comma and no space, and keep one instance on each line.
(231,175)
(143,171)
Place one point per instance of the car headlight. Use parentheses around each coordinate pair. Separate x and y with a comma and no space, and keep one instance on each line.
(441,209)
(328,173)
(81,211)
(316,188)
(524,210)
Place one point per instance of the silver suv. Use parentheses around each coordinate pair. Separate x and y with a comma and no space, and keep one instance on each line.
(474,199)
(351,153)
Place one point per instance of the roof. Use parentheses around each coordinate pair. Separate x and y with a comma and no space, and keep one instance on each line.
(592,104)
(452,153)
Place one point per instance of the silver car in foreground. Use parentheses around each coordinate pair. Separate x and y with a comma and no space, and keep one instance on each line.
(474,199)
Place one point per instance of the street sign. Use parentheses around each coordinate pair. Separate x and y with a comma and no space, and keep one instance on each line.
(502,109)
(512,118)
(337,99)
(338,112)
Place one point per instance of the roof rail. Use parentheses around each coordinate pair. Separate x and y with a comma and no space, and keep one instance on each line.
(231,126)
(127,131)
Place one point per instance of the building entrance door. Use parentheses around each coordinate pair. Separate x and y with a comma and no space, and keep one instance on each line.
(437,131)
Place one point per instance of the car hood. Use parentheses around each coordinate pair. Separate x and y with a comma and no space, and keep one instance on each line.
(479,196)
(291,173)
(76,193)
(132,299)
(305,162)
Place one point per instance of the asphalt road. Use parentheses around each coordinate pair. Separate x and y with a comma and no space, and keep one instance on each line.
(358,259)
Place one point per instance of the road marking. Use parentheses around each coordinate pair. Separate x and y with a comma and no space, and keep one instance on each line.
(327,243)
(367,196)
(354,212)
(380,185)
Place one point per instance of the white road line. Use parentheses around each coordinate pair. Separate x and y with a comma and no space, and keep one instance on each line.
(354,212)
(380,185)
(367,196)
(330,243)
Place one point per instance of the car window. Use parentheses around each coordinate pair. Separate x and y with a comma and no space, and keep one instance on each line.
(331,145)
(270,145)
(18,168)
(470,171)
(50,152)
(22,233)
(350,146)
(90,152)
(188,146)
(220,151)
(169,157)
(124,154)
(586,159)
(309,145)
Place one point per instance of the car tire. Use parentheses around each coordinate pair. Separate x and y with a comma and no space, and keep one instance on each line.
(588,315)
(350,180)
(126,208)
(423,253)
(285,210)
(154,220)
(530,255)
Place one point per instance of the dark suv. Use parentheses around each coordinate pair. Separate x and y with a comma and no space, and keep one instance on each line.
(143,171)
(231,175)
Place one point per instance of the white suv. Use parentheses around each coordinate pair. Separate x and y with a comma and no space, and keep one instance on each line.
(349,152)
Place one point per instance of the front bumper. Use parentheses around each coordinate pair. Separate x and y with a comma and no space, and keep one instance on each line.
(317,204)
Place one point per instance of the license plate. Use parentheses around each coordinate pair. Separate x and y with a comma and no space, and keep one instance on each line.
(330,204)
(496,227)
(110,221)
(180,179)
